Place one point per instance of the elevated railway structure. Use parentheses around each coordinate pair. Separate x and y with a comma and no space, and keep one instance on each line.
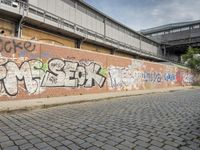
(175,38)
(74,23)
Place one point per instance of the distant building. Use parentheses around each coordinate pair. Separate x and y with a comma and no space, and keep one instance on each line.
(175,38)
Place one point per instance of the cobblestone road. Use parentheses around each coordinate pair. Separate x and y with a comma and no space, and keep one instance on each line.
(166,121)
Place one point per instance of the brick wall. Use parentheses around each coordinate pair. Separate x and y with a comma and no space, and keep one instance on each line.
(32,70)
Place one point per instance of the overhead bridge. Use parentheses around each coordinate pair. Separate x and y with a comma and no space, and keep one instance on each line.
(176,38)
(79,20)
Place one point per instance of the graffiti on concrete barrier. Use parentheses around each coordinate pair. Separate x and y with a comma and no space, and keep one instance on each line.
(60,73)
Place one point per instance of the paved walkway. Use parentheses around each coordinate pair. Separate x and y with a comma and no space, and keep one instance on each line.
(159,121)
(11,106)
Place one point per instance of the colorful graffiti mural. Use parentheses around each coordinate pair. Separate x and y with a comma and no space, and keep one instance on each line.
(29,69)
(134,76)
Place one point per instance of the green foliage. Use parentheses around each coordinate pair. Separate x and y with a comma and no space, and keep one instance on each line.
(192,59)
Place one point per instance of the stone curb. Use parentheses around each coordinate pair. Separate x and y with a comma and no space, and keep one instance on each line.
(33,104)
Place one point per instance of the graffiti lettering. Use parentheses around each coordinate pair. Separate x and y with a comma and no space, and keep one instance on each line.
(187,78)
(25,71)
(11,74)
(55,75)
(132,77)
(60,73)
(93,75)
(121,77)
(179,77)
(28,46)
(170,77)
(63,73)
(152,77)
(14,45)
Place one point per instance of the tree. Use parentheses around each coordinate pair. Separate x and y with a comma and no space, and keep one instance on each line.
(192,59)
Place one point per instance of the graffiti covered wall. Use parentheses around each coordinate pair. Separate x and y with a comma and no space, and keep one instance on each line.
(32,70)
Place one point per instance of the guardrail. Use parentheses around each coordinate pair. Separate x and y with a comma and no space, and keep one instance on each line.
(28,8)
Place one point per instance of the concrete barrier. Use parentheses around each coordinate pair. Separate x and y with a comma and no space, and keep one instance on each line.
(34,70)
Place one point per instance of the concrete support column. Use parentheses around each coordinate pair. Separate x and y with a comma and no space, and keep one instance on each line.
(20,22)
(18,28)
(165,51)
(79,42)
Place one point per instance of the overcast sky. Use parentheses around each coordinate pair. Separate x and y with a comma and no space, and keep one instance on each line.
(143,14)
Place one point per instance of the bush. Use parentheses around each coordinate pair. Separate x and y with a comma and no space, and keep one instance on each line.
(192,59)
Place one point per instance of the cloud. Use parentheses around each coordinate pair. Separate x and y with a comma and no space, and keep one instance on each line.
(142,14)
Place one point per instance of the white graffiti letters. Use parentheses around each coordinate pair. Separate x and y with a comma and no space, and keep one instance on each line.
(94,76)
(81,75)
(70,79)
(11,74)
(187,78)
(71,74)
(60,73)
(55,76)
(121,77)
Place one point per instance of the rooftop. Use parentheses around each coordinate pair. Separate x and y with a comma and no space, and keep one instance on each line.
(169,27)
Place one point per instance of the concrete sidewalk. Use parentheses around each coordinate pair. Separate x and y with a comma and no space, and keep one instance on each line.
(30,104)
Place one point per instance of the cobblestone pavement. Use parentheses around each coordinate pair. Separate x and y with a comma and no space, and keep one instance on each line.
(167,121)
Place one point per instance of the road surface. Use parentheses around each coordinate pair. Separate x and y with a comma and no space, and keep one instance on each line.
(165,121)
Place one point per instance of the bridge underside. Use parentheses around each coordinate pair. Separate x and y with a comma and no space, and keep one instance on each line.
(176,38)
(179,47)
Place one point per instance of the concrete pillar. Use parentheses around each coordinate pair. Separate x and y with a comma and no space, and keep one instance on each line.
(79,42)
(17,30)
(165,51)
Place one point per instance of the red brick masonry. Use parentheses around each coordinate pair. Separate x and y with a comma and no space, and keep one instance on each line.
(34,70)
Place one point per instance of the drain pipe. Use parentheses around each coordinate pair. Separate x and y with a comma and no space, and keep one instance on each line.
(19,27)
(21,21)
(82,41)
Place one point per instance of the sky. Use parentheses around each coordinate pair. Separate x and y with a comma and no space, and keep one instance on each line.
(144,14)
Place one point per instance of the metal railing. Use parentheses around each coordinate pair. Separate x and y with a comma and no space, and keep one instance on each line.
(61,23)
